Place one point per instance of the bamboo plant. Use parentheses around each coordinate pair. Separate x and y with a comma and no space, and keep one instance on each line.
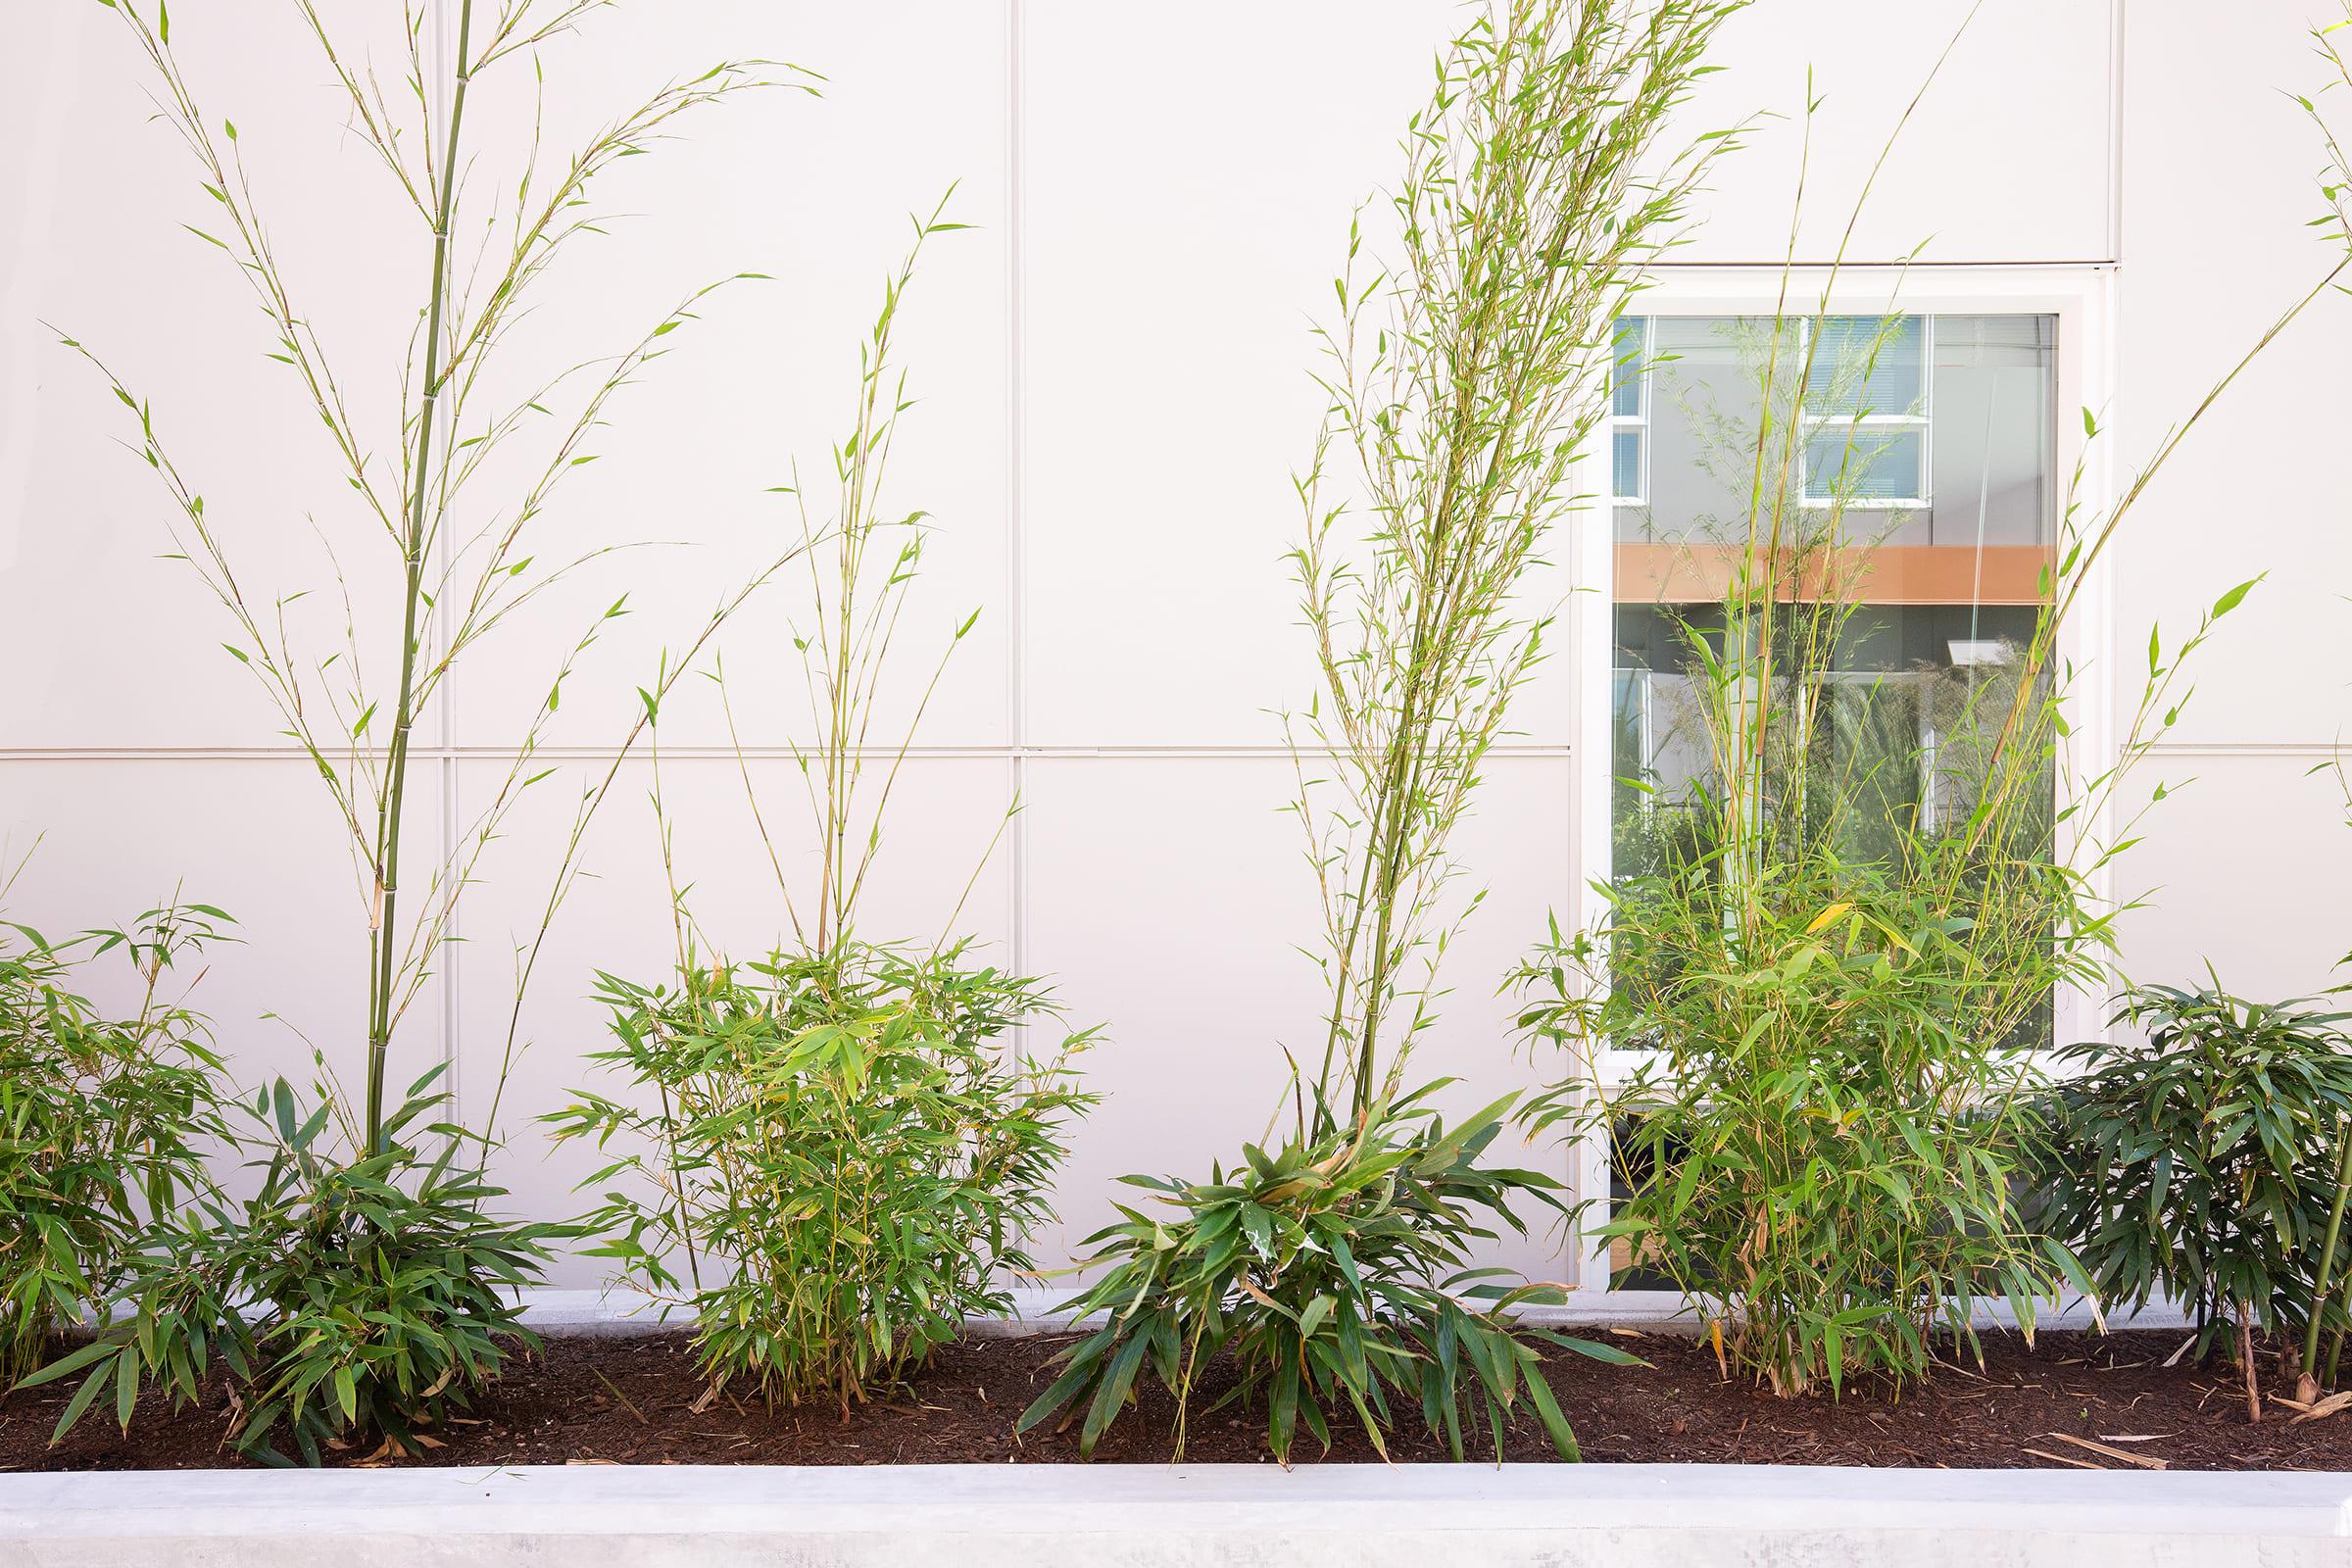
(387,1282)
(1827,1128)
(1466,377)
(846,1149)
(1467,373)
(464,562)
(2201,1156)
(102,1120)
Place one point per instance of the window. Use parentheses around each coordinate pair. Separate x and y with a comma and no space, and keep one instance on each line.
(1927,461)
(1866,412)
(1920,463)
(1629,411)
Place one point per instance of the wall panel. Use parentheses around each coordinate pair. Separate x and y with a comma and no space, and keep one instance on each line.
(1113,366)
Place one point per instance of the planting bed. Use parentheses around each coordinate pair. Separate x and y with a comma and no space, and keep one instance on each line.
(632,1401)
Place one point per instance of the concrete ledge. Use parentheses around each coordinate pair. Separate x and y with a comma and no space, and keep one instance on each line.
(1039,1309)
(619,1314)
(1105,1516)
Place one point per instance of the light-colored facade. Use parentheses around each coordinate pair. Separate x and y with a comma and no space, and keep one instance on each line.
(1113,366)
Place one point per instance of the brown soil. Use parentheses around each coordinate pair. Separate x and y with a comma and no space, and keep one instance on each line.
(631,1402)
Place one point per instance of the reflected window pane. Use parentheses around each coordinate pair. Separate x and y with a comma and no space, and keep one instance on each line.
(1868,365)
(1987,475)
(1625,464)
(1626,375)
(1867,464)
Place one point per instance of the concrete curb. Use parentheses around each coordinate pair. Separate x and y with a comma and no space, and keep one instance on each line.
(1038,1309)
(1105,1516)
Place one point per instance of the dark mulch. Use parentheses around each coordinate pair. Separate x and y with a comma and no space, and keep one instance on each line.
(632,1401)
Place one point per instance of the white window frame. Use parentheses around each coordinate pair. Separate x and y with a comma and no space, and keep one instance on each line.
(1918,419)
(2081,299)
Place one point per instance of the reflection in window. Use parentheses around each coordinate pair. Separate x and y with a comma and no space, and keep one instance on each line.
(1867,410)
(1894,720)
(1916,456)
(1975,415)
(1629,411)
(1869,464)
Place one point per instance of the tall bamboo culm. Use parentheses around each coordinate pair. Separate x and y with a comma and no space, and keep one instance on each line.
(468,558)
(1466,377)
(1336,1272)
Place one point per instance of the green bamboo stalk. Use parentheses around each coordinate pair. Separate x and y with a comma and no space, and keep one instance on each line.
(390,816)
(2335,1221)
(2335,1349)
(482,578)
(1462,380)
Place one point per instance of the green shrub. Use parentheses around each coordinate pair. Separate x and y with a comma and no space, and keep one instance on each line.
(2197,1156)
(1839,939)
(834,1157)
(1336,1273)
(1811,1009)
(1819,1153)
(100,1123)
(351,1298)
(843,1155)
(1797,1018)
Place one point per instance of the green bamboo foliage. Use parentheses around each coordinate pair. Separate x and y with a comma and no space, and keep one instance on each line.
(365,1288)
(862,562)
(420,511)
(2197,1155)
(102,1120)
(1466,377)
(832,1160)
(835,1153)
(1826,1135)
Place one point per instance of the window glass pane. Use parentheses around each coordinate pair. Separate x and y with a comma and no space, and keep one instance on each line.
(1991,410)
(1892,721)
(1868,365)
(1625,375)
(1625,463)
(1958,450)
(1864,462)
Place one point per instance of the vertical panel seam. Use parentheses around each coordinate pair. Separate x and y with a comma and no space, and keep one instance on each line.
(2115,131)
(1017,424)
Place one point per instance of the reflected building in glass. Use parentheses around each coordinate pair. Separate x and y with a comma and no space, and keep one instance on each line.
(1913,456)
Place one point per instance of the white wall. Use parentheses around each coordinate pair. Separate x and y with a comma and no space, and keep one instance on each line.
(1113,365)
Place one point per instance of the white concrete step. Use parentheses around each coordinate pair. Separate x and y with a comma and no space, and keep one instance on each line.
(1108,1516)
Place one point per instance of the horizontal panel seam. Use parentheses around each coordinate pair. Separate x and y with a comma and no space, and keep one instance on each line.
(594,753)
